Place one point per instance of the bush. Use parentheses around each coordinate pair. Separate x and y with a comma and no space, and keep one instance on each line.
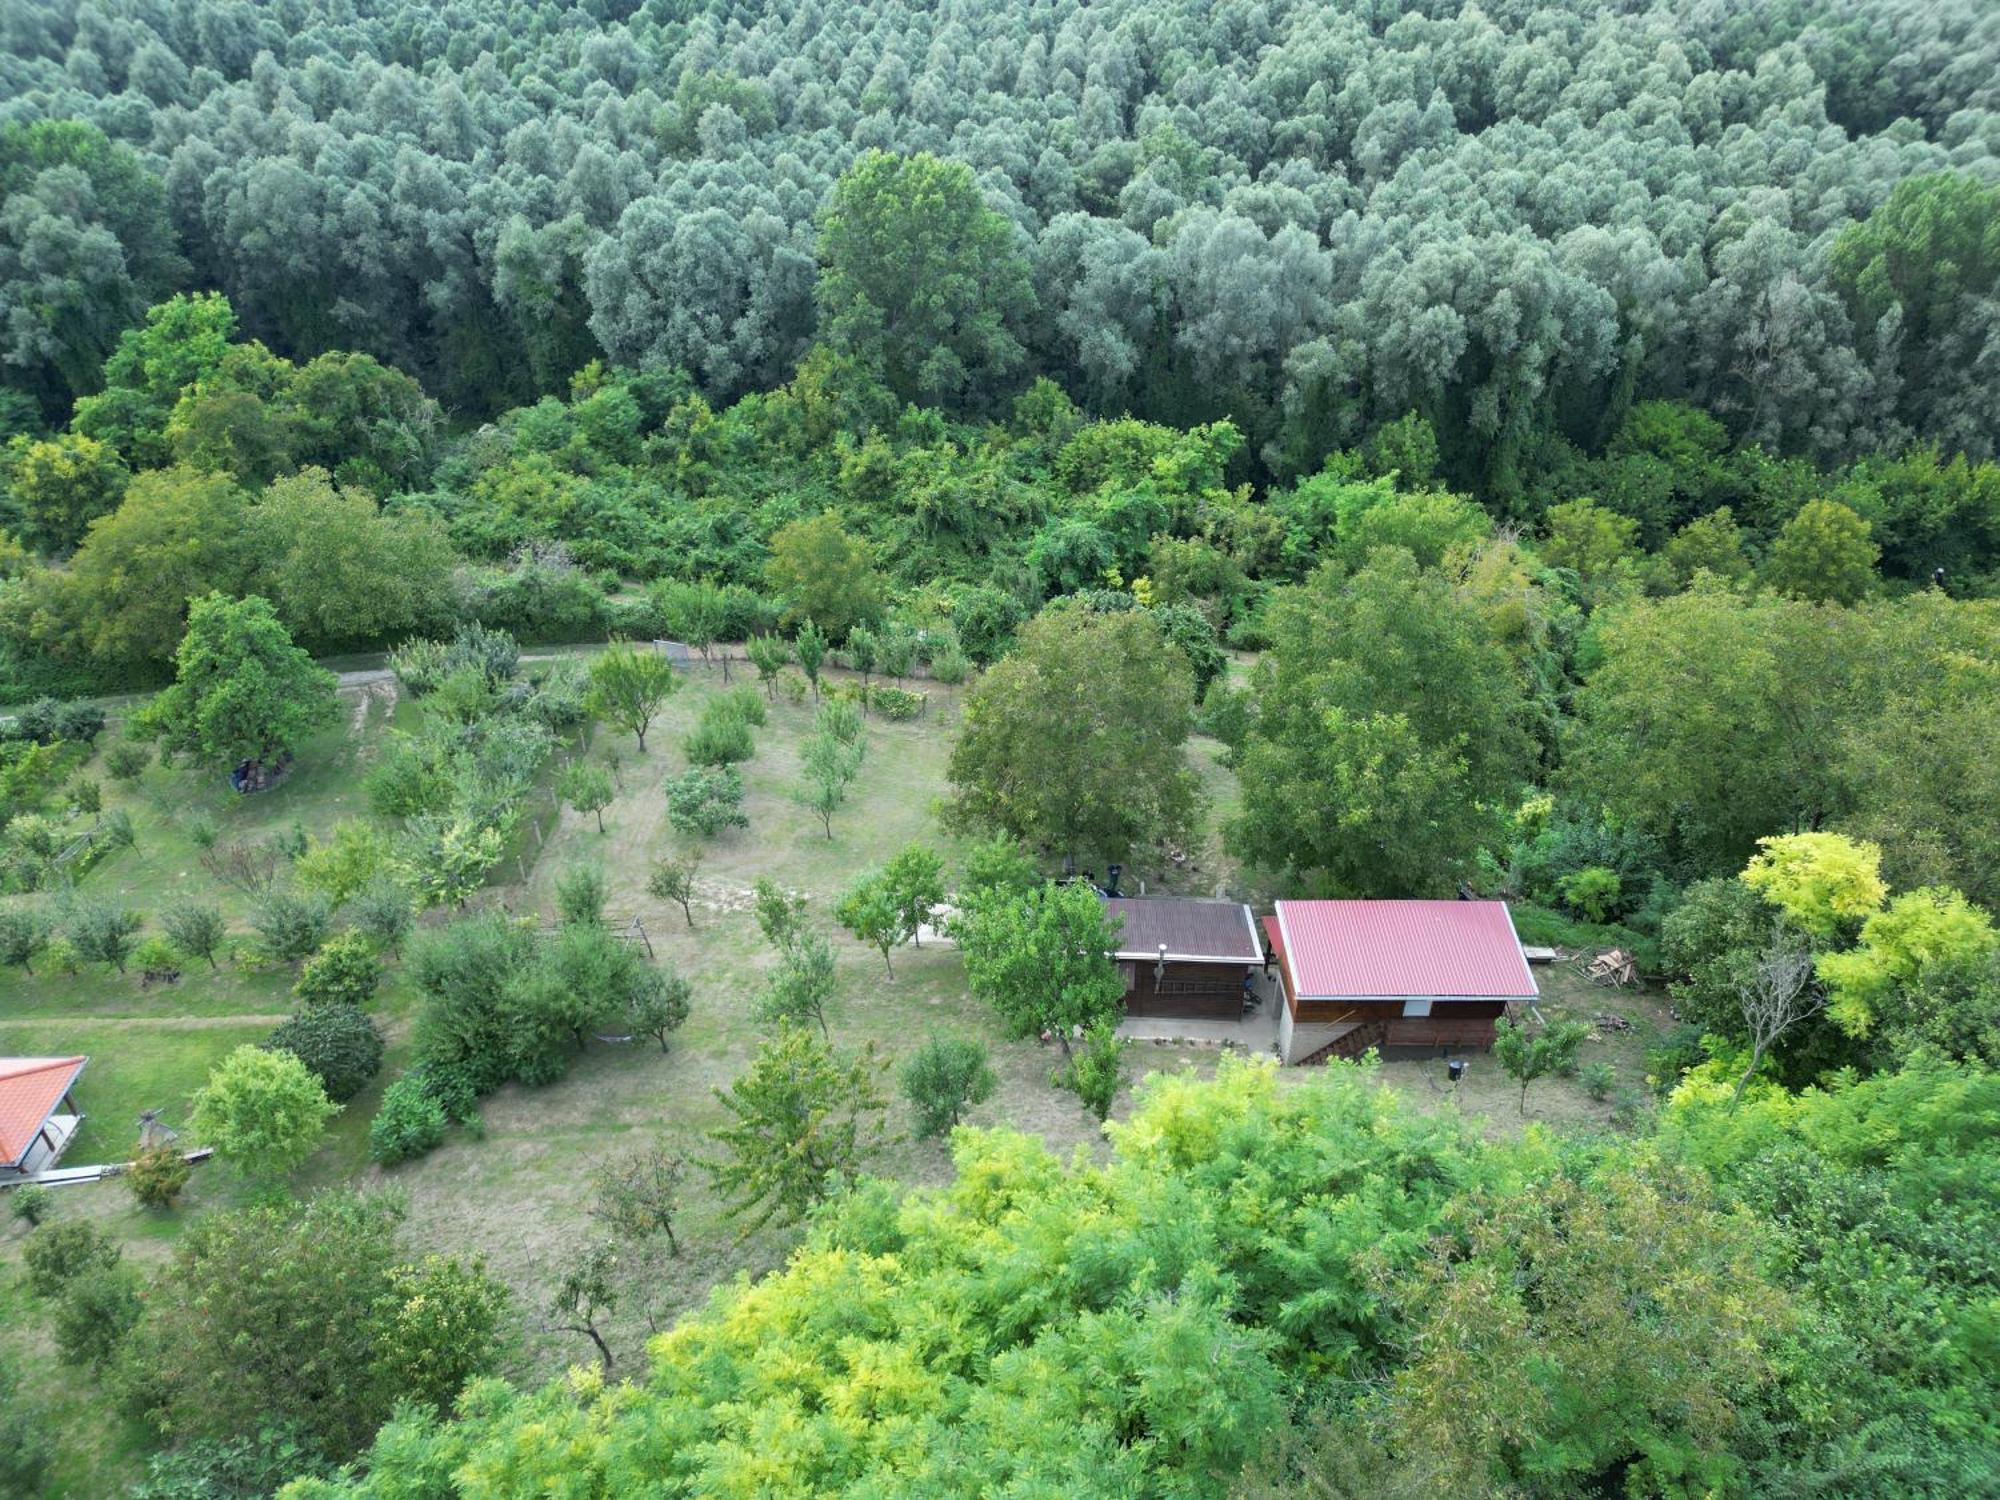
(1097,1070)
(339,1044)
(158,1176)
(1599,1078)
(1592,892)
(56,1254)
(1680,1049)
(894,702)
(230,1468)
(744,703)
(580,895)
(344,971)
(197,929)
(25,1446)
(292,925)
(158,961)
(125,760)
(31,1203)
(706,800)
(410,1122)
(720,739)
(942,1079)
(96,1312)
(47,722)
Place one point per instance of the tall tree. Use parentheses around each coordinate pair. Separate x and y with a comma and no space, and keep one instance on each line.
(1077,739)
(627,686)
(921,279)
(242,690)
(1043,960)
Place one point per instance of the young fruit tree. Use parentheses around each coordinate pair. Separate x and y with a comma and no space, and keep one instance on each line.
(638,1194)
(673,879)
(588,789)
(1528,1055)
(628,684)
(263,1111)
(804,1122)
(868,909)
(944,1078)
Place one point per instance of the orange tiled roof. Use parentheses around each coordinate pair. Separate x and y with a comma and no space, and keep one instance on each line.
(30,1090)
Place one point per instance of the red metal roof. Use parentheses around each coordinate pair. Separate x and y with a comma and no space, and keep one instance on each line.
(30,1090)
(1354,950)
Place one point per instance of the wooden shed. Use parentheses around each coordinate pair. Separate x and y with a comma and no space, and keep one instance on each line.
(1394,975)
(1185,958)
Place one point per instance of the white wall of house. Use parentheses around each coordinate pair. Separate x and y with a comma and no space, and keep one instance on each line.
(1301,1039)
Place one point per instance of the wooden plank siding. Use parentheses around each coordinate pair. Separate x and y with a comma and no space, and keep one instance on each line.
(1186,991)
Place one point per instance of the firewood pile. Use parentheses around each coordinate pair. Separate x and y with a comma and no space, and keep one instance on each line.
(1614,966)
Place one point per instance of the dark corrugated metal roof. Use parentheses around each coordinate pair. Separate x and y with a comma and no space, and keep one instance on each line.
(1218,930)
(1352,950)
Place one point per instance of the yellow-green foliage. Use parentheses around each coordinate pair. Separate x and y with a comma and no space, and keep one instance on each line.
(1918,930)
(1821,881)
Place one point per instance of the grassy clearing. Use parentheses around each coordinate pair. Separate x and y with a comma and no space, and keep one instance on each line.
(517,1195)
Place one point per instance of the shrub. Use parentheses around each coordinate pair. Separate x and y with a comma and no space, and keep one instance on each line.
(706,800)
(1680,1049)
(344,971)
(158,960)
(793,686)
(104,933)
(264,1112)
(382,913)
(58,1253)
(720,739)
(410,1122)
(96,1312)
(1592,892)
(339,1044)
(31,1203)
(942,1079)
(1097,1070)
(580,895)
(743,703)
(125,760)
(292,925)
(895,702)
(1599,1078)
(158,1176)
(838,719)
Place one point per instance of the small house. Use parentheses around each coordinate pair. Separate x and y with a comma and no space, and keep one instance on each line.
(38,1113)
(1394,975)
(1186,959)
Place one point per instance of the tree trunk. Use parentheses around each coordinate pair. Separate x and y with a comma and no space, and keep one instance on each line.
(642,739)
(1756,1059)
(600,820)
(887,965)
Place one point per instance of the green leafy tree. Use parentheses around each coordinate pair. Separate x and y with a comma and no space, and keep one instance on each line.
(24,933)
(196,928)
(1823,554)
(830,766)
(673,878)
(381,912)
(1097,1072)
(446,860)
(1918,932)
(826,577)
(1822,882)
(705,800)
(914,880)
(920,279)
(802,986)
(658,1004)
(769,654)
(1530,1054)
(585,1293)
(637,1194)
(580,895)
(627,686)
(97,1312)
(944,1078)
(263,1111)
(1043,960)
(57,1254)
(803,1123)
(103,932)
(588,789)
(868,909)
(811,647)
(1595,543)
(439,1323)
(60,486)
(292,925)
(1077,739)
(780,913)
(242,690)
(1390,728)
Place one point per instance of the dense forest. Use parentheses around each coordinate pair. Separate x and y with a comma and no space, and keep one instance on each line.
(1537,450)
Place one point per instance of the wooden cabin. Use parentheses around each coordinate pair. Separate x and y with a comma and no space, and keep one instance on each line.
(1185,959)
(38,1113)
(1394,975)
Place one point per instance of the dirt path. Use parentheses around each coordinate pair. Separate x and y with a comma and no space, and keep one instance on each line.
(159,1023)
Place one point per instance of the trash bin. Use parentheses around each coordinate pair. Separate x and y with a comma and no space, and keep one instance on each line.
(1454,1068)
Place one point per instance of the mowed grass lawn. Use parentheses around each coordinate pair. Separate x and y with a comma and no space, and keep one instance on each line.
(517,1192)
